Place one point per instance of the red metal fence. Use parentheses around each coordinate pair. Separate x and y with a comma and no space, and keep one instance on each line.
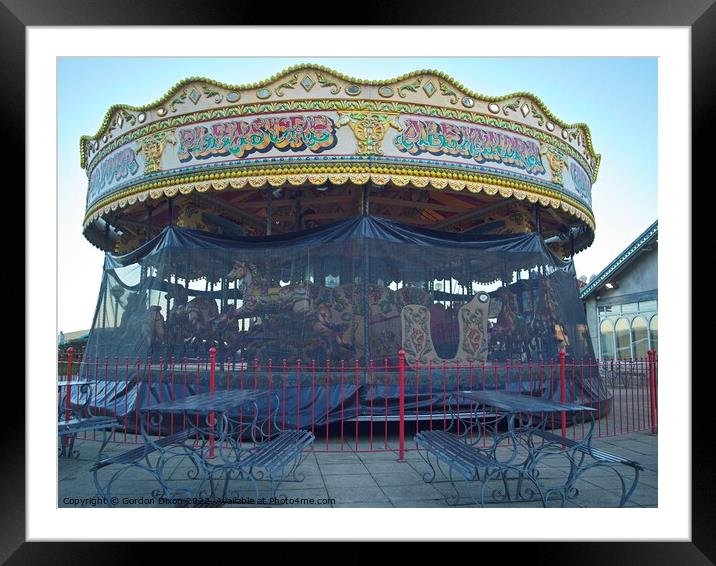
(363,416)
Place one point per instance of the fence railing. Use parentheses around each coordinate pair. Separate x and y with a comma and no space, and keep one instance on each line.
(368,407)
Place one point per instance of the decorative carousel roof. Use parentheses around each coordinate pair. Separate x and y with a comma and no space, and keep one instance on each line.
(310,125)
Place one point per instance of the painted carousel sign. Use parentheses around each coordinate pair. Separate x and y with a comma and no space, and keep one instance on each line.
(239,138)
(373,139)
(481,145)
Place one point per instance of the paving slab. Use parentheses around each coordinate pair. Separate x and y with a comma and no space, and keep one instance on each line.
(349,481)
(357,495)
(343,469)
(374,478)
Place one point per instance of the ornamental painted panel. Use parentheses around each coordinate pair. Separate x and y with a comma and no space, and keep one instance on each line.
(410,146)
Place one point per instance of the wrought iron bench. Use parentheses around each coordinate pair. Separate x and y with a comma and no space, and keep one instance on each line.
(69,429)
(598,458)
(465,459)
(278,457)
(216,452)
(134,458)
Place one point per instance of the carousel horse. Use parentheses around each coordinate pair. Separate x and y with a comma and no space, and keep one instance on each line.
(335,315)
(147,323)
(258,295)
(507,319)
(190,320)
(546,317)
(511,333)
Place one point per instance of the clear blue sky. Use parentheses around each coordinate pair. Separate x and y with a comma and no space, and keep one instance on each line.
(615,97)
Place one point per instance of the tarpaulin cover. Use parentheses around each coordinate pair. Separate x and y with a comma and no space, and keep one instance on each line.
(353,292)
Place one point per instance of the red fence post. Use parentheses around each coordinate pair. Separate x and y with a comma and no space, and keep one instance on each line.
(401,429)
(563,389)
(212,388)
(652,390)
(68,398)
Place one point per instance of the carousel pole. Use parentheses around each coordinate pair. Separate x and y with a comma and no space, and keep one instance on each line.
(149,224)
(297,212)
(538,219)
(170,222)
(366,305)
(104,310)
(269,211)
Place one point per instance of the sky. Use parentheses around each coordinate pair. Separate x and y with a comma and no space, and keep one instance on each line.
(615,97)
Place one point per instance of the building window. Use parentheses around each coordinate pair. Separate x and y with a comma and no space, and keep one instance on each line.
(640,337)
(606,331)
(630,307)
(647,306)
(654,332)
(623,339)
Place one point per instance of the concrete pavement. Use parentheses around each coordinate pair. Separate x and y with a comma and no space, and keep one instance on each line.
(344,477)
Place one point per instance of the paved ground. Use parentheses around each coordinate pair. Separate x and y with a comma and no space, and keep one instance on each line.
(346,478)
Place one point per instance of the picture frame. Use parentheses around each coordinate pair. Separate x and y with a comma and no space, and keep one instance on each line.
(17,16)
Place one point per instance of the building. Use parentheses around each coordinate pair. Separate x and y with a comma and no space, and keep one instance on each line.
(621,302)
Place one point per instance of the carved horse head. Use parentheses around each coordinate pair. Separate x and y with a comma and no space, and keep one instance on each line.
(244,272)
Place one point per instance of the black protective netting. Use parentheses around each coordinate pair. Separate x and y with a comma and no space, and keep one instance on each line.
(354,292)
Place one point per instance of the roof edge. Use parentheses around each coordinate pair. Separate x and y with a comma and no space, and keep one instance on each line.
(622,260)
(124,108)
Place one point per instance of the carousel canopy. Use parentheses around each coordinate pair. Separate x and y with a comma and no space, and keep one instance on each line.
(439,154)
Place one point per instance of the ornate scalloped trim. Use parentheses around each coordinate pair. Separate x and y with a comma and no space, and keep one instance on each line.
(305,66)
(340,175)
(340,106)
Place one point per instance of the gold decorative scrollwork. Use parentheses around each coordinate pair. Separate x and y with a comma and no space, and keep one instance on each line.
(152,147)
(369,129)
(556,161)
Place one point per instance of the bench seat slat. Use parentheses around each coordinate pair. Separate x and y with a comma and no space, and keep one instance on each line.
(136,454)
(74,426)
(279,450)
(595,452)
(455,452)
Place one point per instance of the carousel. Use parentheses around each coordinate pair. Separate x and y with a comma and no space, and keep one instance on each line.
(316,218)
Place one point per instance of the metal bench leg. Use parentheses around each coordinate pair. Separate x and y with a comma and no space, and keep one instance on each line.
(611,465)
(68,446)
(100,491)
(632,488)
(428,477)
(297,475)
(448,499)
(105,439)
(521,494)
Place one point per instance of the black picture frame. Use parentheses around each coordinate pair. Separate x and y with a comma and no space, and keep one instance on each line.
(699,15)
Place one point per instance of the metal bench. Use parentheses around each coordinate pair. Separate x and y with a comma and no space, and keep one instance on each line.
(278,457)
(69,429)
(138,458)
(599,458)
(467,460)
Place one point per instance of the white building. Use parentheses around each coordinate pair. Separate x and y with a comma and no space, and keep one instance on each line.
(621,302)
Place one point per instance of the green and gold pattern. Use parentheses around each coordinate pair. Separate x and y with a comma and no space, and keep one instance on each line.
(316,125)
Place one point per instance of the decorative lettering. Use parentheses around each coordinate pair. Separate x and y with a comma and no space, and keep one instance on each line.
(581,181)
(445,138)
(314,132)
(112,169)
